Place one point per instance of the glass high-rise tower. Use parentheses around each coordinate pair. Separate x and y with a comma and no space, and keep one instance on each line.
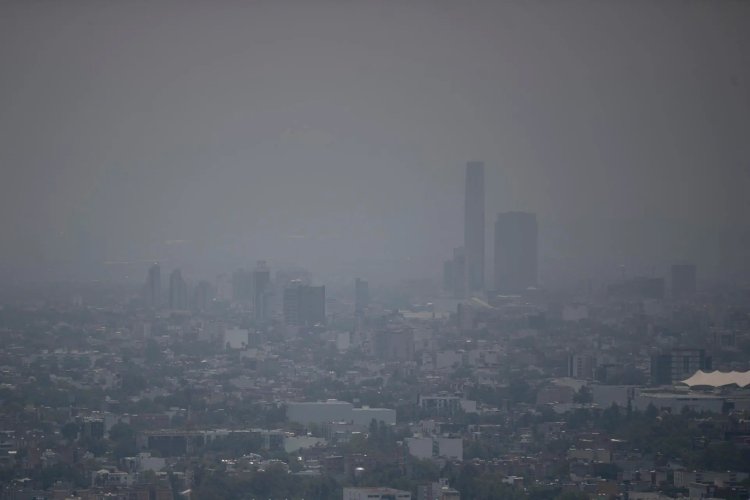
(516,235)
(474,226)
(153,286)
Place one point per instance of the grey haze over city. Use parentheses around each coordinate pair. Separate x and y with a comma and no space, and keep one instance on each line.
(334,135)
(374,250)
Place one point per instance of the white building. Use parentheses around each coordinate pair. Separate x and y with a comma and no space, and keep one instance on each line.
(581,366)
(676,402)
(447,403)
(143,462)
(293,444)
(363,416)
(322,412)
(436,447)
(607,395)
(236,338)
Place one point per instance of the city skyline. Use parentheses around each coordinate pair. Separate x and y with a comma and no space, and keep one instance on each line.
(349,250)
(344,149)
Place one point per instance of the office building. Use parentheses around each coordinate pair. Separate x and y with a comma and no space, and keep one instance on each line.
(582,366)
(242,286)
(261,291)
(683,281)
(153,286)
(436,447)
(677,365)
(474,226)
(361,296)
(304,305)
(177,291)
(202,296)
(332,410)
(516,252)
(454,274)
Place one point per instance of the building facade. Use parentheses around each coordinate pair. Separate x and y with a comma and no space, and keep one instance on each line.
(177,291)
(474,226)
(678,364)
(304,305)
(153,286)
(454,274)
(516,253)
(261,291)
(361,296)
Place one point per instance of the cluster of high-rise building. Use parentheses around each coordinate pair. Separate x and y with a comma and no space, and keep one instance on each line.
(254,287)
(515,248)
(302,303)
(682,285)
(178,296)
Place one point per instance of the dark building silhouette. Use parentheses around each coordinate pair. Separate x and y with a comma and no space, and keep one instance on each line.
(516,252)
(581,366)
(304,305)
(202,296)
(153,286)
(474,226)
(242,285)
(454,274)
(678,364)
(361,296)
(638,288)
(177,291)
(683,281)
(261,291)
(92,427)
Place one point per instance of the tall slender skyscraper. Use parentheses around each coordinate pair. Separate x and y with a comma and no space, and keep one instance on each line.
(361,296)
(242,286)
(153,286)
(516,236)
(177,291)
(261,290)
(474,226)
(202,296)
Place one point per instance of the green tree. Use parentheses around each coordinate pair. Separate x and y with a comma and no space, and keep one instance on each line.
(123,440)
(70,431)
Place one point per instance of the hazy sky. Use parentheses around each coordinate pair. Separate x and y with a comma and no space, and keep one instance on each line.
(335,133)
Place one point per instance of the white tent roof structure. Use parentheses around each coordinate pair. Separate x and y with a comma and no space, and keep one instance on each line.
(718,379)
